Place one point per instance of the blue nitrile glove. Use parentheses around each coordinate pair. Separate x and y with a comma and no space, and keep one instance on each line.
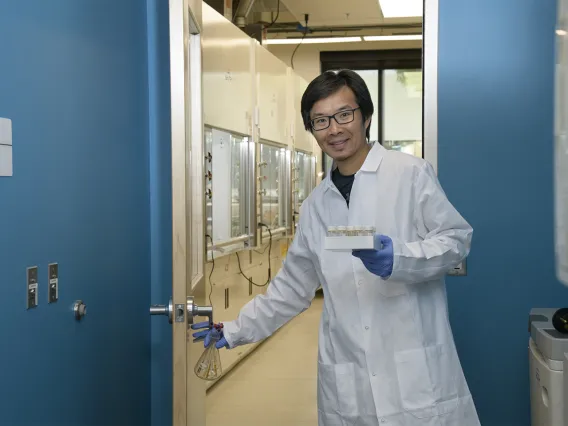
(210,333)
(378,262)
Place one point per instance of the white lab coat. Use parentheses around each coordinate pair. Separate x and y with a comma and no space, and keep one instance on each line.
(386,350)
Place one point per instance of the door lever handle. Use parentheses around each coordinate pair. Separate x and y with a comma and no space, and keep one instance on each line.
(194,310)
(191,309)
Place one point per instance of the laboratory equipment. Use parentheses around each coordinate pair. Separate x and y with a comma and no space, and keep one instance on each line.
(208,366)
(560,320)
(548,351)
(274,185)
(347,238)
(304,180)
(227,189)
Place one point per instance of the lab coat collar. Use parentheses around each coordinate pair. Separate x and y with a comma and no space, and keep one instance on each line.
(374,158)
(371,164)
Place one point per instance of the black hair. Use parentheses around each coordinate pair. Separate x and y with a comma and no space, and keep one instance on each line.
(330,82)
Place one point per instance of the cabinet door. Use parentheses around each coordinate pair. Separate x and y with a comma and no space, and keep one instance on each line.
(227,74)
(272,96)
(303,139)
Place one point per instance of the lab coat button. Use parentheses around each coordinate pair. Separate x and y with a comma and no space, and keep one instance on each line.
(360,282)
(366,327)
(383,421)
(374,374)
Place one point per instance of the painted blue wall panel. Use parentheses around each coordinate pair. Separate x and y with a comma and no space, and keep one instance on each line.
(160,206)
(496,74)
(73,78)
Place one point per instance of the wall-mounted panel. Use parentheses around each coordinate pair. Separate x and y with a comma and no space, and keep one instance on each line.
(271,80)
(90,111)
(303,140)
(228,92)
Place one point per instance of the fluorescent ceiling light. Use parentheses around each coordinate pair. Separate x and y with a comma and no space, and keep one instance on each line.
(312,40)
(393,37)
(401,8)
(561,32)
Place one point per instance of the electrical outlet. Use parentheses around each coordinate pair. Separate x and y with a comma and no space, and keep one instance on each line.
(53,279)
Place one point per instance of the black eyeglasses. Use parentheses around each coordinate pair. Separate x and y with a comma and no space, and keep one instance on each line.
(342,117)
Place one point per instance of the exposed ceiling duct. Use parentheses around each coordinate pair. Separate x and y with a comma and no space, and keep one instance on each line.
(411,28)
(285,18)
(243,10)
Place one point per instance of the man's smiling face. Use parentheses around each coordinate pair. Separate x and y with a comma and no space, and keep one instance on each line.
(340,141)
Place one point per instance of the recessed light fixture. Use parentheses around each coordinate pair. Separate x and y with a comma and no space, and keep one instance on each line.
(401,8)
(312,40)
(393,37)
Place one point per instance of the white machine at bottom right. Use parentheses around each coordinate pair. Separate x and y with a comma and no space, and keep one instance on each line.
(548,358)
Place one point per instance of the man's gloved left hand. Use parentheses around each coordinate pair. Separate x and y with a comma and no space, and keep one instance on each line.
(214,333)
(380,261)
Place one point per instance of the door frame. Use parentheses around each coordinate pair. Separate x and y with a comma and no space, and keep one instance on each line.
(188,393)
(430,82)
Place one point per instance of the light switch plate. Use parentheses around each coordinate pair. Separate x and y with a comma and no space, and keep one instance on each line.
(5,131)
(53,290)
(31,287)
(460,270)
(6,160)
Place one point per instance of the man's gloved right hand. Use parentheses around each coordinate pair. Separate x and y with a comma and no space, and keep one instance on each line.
(214,333)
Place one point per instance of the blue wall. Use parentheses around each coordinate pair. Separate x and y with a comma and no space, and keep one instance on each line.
(74,80)
(160,206)
(496,74)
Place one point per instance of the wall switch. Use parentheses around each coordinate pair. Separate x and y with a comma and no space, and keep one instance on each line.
(53,275)
(5,131)
(6,168)
(32,287)
(460,270)
(5,147)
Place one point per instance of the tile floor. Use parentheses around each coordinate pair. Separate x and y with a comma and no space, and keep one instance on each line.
(276,384)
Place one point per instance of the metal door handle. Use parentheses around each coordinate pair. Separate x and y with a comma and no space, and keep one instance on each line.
(194,310)
(180,310)
(167,310)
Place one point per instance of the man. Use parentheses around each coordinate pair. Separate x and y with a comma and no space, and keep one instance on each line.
(386,349)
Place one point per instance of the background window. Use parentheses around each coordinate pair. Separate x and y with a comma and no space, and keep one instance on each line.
(394,79)
(402,111)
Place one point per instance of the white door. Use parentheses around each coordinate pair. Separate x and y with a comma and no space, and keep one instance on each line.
(188,284)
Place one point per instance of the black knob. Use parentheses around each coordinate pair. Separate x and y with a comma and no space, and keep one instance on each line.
(560,320)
